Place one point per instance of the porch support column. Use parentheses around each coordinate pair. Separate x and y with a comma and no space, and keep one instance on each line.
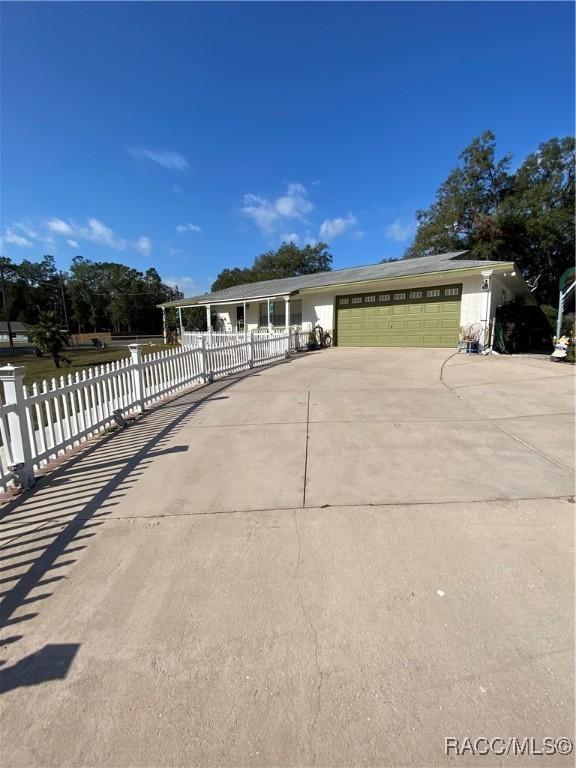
(486,305)
(287,300)
(269,323)
(245,320)
(209,321)
(181,323)
(164,329)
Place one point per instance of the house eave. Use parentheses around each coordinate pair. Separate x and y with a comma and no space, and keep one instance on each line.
(411,279)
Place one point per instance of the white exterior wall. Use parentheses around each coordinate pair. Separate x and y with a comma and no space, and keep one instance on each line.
(252,315)
(226,318)
(472,297)
(318,309)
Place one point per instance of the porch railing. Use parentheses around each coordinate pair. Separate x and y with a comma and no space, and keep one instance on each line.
(41,424)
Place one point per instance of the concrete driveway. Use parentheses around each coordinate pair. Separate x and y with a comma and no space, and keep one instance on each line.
(339,560)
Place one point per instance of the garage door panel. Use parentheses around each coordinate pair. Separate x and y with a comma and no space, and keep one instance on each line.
(415,318)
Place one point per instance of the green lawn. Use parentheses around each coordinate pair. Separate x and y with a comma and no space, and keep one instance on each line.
(39,368)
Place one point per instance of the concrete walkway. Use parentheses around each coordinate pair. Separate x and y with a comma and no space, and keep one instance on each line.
(339,560)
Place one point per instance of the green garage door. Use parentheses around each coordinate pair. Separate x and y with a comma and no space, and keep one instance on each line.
(415,317)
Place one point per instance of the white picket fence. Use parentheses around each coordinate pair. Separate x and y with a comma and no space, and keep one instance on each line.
(229,338)
(41,424)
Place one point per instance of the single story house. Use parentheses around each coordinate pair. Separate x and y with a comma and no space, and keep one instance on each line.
(423,302)
(19,332)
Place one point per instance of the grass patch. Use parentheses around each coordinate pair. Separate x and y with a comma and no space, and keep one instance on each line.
(40,368)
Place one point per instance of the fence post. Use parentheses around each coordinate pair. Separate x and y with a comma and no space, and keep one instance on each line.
(20,448)
(137,375)
(207,376)
(251,350)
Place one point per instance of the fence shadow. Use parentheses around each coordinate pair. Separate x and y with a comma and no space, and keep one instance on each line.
(52,662)
(42,530)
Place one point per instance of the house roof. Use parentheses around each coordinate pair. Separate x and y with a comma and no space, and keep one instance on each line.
(441,262)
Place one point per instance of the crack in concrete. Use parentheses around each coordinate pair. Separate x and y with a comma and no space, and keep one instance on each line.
(306,451)
(314,634)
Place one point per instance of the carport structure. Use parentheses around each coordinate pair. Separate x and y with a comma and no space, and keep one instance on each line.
(341,558)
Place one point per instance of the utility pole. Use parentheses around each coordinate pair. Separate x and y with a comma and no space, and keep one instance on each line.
(6,307)
(64,301)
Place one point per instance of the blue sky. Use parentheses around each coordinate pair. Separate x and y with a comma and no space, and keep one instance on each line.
(193,137)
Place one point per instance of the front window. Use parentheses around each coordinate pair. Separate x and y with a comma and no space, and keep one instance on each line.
(278,313)
(296,312)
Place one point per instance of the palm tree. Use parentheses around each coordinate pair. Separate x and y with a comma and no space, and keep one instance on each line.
(50,337)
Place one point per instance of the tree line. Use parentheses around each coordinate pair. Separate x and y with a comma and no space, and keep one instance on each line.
(91,296)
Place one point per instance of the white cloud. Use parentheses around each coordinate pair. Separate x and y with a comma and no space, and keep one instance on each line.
(173,161)
(397,232)
(331,228)
(187,285)
(291,238)
(95,231)
(358,234)
(98,232)
(60,226)
(188,227)
(13,238)
(268,214)
(144,245)
(26,234)
(27,228)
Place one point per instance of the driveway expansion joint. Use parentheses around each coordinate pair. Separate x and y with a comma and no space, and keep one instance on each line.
(314,635)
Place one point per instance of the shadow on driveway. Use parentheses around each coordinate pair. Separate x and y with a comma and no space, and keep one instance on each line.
(42,528)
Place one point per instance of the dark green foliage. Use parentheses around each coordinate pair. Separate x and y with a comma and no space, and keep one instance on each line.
(109,295)
(526,216)
(194,319)
(288,261)
(93,296)
(522,328)
(31,288)
(50,337)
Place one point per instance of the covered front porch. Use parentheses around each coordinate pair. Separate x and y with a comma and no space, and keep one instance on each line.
(273,313)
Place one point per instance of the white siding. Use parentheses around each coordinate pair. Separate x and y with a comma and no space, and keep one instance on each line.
(252,315)
(226,318)
(227,315)
(318,308)
(471,307)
